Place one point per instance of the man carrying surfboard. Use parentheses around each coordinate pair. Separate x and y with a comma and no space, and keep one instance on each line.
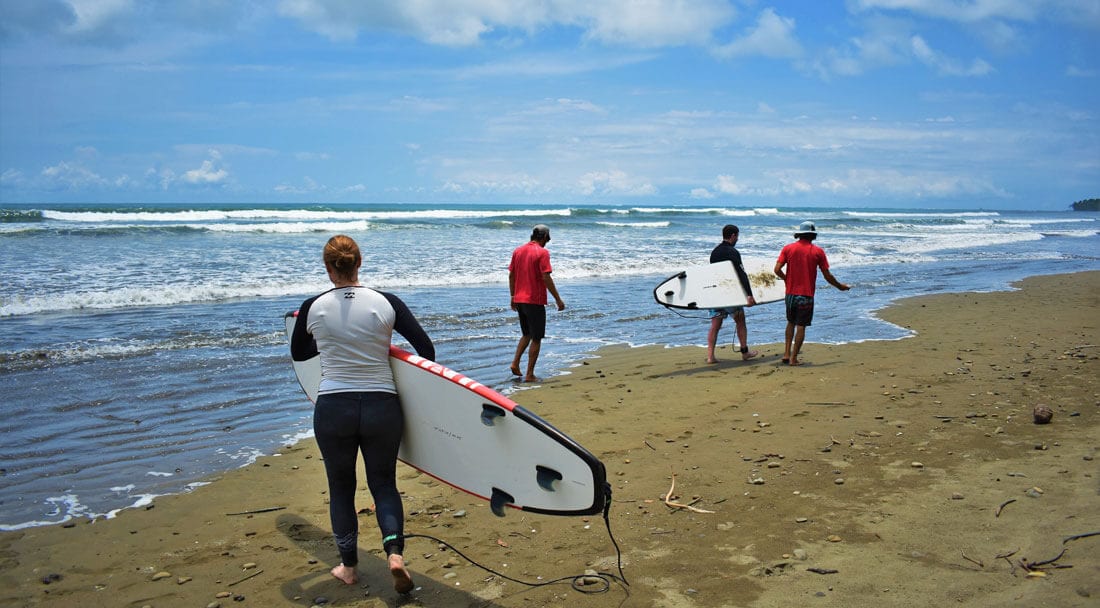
(726,251)
(802,260)
(528,281)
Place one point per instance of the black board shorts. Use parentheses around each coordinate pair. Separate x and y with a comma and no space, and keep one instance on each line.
(532,320)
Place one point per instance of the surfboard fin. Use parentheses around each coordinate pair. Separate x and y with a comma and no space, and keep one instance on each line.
(499,500)
(489,413)
(546,477)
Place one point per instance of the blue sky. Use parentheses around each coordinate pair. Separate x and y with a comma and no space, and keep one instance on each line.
(903,103)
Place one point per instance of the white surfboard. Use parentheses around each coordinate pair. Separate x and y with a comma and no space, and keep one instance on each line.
(473,438)
(716,286)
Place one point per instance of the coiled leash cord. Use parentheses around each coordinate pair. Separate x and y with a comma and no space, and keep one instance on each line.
(577,581)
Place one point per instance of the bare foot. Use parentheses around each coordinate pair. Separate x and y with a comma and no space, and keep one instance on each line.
(749,355)
(794,362)
(532,379)
(402,581)
(712,361)
(346,574)
(515,371)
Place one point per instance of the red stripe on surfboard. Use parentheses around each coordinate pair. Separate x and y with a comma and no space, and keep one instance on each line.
(445,372)
(448,373)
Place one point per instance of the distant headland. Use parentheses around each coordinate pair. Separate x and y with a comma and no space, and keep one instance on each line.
(1089,204)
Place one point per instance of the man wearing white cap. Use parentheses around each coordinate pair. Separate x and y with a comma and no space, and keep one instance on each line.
(528,281)
(802,260)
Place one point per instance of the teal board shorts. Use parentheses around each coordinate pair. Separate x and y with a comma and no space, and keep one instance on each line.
(722,313)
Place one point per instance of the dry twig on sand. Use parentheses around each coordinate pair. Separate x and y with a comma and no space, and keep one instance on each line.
(676,505)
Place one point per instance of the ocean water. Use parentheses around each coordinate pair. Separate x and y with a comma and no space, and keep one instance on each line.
(143,347)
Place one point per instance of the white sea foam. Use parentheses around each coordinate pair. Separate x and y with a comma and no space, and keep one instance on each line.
(190,216)
(635,224)
(920,214)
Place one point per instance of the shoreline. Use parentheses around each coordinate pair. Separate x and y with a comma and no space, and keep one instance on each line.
(836,445)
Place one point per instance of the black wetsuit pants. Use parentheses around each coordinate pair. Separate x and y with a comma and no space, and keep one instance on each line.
(371,423)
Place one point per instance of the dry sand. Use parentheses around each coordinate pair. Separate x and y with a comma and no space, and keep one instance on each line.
(908,473)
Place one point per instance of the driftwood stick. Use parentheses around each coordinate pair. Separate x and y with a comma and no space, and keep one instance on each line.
(1076,536)
(267,510)
(676,505)
(1034,565)
(1004,504)
(256,573)
(973,561)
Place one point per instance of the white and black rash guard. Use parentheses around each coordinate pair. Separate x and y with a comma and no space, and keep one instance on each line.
(351,328)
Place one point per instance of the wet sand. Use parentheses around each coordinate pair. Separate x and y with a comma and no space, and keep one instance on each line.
(898,473)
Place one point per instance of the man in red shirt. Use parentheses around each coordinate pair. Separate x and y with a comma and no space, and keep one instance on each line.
(528,281)
(802,259)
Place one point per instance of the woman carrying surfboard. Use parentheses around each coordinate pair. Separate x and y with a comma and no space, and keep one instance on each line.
(357,409)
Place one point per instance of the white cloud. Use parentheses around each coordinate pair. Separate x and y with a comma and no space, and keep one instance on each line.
(727,185)
(92,15)
(208,173)
(12,177)
(1074,71)
(558,64)
(613,182)
(653,23)
(945,65)
(771,36)
(1079,12)
(886,43)
(68,176)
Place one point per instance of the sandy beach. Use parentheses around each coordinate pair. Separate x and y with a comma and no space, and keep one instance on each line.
(896,473)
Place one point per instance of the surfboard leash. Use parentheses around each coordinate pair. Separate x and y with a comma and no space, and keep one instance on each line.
(578,581)
(680,314)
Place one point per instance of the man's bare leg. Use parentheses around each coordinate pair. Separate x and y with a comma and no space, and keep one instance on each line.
(788,337)
(522,346)
(799,336)
(532,357)
(712,338)
(743,336)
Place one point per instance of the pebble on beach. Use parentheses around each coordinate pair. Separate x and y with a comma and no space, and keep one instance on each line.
(1042,414)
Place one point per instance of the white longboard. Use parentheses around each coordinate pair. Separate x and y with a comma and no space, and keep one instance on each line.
(716,286)
(473,438)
